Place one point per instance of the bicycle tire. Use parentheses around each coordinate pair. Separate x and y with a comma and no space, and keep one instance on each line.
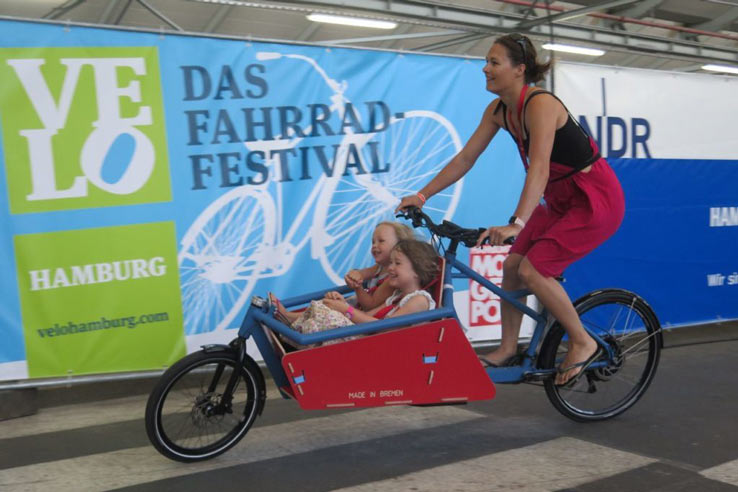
(578,402)
(196,415)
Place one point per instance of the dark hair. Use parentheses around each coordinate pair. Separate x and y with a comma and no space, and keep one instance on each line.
(423,258)
(522,52)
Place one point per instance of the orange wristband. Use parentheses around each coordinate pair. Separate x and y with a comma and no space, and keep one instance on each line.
(421,196)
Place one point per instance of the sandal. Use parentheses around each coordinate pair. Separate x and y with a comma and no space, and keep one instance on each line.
(584,365)
(277,313)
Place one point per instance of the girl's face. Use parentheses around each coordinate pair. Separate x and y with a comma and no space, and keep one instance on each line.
(383,240)
(499,71)
(401,274)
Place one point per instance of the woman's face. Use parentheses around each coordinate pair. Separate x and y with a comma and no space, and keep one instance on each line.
(499,70)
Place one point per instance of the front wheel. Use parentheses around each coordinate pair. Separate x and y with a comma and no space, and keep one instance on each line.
(188,415)
(628,325)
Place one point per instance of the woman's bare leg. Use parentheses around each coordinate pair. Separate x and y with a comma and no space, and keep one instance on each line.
(510,317)
(550,292)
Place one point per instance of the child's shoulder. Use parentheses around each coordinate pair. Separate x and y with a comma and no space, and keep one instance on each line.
(419,298)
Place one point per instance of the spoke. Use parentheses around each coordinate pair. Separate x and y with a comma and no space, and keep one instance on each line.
(632,347)
(612,324)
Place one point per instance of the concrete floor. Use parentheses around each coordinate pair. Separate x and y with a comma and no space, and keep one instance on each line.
(682,435)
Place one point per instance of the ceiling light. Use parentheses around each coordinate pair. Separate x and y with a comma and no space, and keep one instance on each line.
(573,49)
(721,68)
(352,21)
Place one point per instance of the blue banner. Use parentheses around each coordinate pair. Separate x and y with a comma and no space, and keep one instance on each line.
(273,162)
(677,244)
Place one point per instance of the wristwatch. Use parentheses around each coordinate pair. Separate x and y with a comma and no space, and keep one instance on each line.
(517,221)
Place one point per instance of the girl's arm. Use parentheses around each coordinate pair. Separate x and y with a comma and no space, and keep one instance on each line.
(366,273)
(462,162)
(369,301)
(415,304)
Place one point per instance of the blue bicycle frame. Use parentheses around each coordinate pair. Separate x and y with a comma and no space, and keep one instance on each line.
(261,312)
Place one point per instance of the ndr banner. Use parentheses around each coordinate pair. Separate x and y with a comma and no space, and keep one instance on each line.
(154,183)
(671,139)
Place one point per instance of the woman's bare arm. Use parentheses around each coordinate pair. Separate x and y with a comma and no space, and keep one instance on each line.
(463,161)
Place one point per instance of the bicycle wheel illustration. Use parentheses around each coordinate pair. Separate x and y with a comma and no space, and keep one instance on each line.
(221,257)
(415,148)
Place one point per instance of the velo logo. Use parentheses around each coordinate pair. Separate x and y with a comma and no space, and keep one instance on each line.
(82,127)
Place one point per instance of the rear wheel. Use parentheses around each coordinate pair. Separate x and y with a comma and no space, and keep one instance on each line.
(629,326)
(188,416)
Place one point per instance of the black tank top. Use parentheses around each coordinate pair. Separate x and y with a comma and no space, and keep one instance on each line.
(572,145)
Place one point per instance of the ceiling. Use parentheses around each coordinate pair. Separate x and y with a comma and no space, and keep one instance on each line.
(657,34)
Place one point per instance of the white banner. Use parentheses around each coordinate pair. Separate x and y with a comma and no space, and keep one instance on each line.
(640,113)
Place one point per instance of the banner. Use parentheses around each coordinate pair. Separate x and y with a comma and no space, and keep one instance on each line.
(671,139)
(156,182)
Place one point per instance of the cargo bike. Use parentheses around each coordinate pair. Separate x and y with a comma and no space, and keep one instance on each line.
(206,402)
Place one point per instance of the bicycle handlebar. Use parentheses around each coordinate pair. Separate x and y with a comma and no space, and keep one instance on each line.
(449,230)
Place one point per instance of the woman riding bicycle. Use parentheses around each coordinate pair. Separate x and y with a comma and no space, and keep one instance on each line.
(584,203)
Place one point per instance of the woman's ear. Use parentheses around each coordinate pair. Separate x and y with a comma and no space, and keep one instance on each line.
(520,70)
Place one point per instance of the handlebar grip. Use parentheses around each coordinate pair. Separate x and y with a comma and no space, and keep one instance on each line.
(509,241)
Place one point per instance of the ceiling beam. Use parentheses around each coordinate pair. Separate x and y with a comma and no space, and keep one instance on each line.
(159,15)
(718,22)
(571,14)
(452,42)
(57,12)
(108,12)
(639,10)
(123,12)
(308,31)
(420,12)
(401,29)
(390,37)
(472,46)
(216,20)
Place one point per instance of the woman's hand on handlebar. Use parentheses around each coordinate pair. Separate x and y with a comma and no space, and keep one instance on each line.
(498,235)
(409,201)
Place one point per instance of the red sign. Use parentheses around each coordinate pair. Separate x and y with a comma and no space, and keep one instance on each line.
(484,306)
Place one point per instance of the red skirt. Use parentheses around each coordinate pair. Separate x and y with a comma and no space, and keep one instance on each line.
(580,212)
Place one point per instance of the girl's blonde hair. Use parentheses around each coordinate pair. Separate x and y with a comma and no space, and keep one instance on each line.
(402,231)
(423,258)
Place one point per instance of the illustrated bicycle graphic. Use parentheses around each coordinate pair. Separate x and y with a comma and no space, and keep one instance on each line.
(239,238)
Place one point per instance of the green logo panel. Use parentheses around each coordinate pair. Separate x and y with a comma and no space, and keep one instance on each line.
(82,127)
(100,300)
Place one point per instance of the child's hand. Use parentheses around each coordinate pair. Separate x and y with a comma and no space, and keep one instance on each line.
(340,306)
(354,279)
(333,295)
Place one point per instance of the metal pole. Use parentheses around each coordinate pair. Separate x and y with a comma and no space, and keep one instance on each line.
(57,12)
(159,15)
